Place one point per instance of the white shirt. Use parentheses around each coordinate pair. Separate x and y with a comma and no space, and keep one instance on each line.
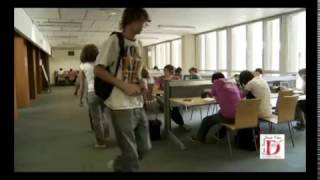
(60,72)
(88,68)
(129,71)
(260,89)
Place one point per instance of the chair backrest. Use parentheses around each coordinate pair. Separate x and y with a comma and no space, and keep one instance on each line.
(287,108)
(247,113)
(281,95)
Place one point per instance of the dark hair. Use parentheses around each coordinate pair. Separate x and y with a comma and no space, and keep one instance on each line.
(130,15)
(60,69)
(89,53)
(155,68)
(245,77)
(178,70)
(259,70)
(170,68)
(193,69)
(145,73)
(216,76)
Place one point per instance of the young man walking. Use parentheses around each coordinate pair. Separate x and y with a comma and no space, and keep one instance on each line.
(125,101)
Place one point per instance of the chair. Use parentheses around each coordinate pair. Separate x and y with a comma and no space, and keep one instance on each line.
(286,113)
(246,117)
(281,94)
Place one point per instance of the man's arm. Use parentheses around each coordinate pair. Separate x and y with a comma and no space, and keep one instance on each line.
(129,89)
(82,79)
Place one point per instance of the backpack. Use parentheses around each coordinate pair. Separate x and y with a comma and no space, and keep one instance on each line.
(102,88)
(244,139)
(155,129)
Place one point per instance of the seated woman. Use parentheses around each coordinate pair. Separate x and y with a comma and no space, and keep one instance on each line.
(228,97)
(258,72)
(194,73)
(178,73)
(301,106)
(256,87)
(159,90)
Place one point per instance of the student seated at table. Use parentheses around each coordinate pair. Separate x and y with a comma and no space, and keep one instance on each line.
(258,72)
(178,72)
(227,95)
(235,79)
(159,90)
(194,73)
(257,88)
(301,105)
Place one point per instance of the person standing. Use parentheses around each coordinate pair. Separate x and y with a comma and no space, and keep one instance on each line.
(95,103)
(126,101)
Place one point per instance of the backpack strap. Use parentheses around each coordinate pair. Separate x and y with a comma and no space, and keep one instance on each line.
(122,51)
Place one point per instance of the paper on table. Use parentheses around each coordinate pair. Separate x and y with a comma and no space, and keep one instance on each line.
(208,99)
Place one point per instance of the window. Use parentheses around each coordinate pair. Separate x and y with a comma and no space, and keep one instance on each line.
(202,51)
(207,51)
(238,48)
(151,56)
(296,28)
(160,56)
(211,51)
(272,46)
(176,53)
(255,45)
(222,50)
(167,53)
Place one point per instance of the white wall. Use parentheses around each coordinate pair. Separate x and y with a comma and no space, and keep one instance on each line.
(60,59)
(24,26)
(188,52)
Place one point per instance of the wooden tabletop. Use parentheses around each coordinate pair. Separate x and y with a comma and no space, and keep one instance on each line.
(193,101)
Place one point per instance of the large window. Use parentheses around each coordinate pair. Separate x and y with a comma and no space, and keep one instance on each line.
(222,50)
(272,45)
(211,51)
(160,55)
(238,48)
(207,51)
(296,29)
(254,45)
(176,53)
(296,56)
(151,56)
(165,53)
(202,51)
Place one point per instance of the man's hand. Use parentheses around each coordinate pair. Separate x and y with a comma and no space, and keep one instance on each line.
(132,89)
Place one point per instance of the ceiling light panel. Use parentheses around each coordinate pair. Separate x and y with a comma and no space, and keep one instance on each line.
(50,13)
(71,28)
(95,14)
(73,13)
(49,28)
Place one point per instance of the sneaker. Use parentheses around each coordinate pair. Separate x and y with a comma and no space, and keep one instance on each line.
(110,164)
(186,127)
(196,140)
(100,146)
(299,127)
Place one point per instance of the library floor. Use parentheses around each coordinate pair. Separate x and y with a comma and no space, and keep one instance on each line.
(53,135)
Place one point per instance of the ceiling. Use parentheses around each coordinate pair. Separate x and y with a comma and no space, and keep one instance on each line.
(74,27)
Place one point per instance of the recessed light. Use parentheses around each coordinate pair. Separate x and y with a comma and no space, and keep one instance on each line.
(113,13)
(172,27)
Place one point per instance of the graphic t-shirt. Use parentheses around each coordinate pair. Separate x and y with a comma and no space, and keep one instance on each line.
(129,71)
